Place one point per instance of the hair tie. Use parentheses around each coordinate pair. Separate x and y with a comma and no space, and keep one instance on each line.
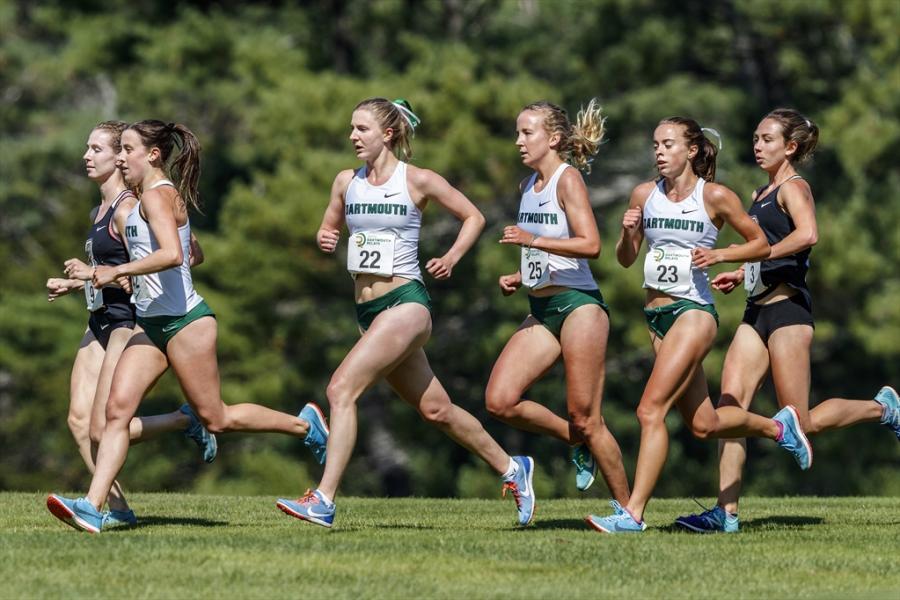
(408,115)
(715,133)
(808,124)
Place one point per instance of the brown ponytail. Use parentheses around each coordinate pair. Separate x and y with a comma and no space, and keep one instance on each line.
(799,129)
(704,162)
(184,168)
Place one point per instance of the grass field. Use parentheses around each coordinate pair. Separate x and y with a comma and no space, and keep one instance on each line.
(243,547)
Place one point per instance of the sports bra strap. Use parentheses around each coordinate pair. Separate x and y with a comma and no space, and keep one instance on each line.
(161,182)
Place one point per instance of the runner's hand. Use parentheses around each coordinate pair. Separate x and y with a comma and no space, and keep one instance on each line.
(440,268)
(510,283)
(76,269)
(328,239)
(728,281)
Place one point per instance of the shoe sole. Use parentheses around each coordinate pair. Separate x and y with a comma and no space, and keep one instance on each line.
(62,512)
(803,439)
(589,483)
(292,513)
(215,448)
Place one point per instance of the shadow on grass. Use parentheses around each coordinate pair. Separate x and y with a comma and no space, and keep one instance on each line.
(152,521)
(774,522)
(578,524)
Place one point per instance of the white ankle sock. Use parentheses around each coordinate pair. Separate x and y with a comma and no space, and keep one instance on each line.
(511,470)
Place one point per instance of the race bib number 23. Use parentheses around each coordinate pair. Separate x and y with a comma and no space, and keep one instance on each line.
(668,269)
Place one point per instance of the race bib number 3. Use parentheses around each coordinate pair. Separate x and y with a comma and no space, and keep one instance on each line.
(668,269)
(371,253)
(535,267)
(753,279)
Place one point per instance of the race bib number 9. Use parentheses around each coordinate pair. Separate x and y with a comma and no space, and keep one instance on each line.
(535,267)
(93,297)
(668,269)
(753,279)
(371,253)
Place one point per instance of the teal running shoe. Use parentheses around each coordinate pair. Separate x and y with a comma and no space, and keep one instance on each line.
(711,520)
(317,436)
(887,398)
(115,518)
(78,513)
(792,437)
(197,432)
(521,488)
(620,521)
(311,507)
(585,467)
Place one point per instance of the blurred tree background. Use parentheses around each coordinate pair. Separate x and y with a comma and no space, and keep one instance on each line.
(268,87)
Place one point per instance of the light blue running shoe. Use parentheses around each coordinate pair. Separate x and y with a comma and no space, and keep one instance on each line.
(78,513)
(585,467)
(620,521)
(522,489)
(317,436)
(887,397)
(792,437)
(711,520)
(115,518)
(311,507)
(197,432)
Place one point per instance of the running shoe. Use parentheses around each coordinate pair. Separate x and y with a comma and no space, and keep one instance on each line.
(311,507)
(78,513)
(710,521)
(114,518)
(887,397)
(197,432)
(521,488)
(620,521)
(317,436)
(585,467)
(792,437)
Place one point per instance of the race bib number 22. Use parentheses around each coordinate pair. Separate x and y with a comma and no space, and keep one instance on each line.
(370,252)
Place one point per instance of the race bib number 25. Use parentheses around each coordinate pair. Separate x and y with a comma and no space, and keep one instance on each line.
(535,267)
(370,252)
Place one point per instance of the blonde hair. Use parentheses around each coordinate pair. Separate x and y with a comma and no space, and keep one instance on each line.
(397,116)
(578,143)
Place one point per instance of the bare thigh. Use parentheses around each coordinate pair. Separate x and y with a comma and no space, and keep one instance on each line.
(118,339)
(528,355)
(745,368)
(583,339)
(140,365)
(789,352)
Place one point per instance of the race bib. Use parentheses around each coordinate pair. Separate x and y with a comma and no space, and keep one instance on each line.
(535,267)
(139,290)
(93,297)
(668,269)
(753,279)
(370,252)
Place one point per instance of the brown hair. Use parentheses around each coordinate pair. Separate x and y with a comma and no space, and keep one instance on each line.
(704,162)
(397,116)
(578,143)
(183,169)
(114,129)
(797,128)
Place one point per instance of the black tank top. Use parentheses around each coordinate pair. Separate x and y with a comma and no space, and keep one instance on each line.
(777,225)
(104,247)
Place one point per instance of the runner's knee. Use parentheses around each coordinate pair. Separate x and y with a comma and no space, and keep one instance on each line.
(437,414)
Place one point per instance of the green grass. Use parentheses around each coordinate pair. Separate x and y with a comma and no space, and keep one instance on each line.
(243,547)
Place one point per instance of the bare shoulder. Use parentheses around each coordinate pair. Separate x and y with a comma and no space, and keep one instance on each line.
(571,179)
(795,188)
(420,177)
(342,180)
(717,194)
(641,192)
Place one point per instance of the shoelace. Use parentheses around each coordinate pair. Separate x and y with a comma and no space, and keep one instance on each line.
(309,498)
(512,487)
(707,514)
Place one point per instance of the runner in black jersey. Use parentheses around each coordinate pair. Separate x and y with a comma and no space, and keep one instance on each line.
(111,321)
(777,328)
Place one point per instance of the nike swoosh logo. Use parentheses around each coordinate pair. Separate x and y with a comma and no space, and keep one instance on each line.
(543,203)
(104,326)
(684,212)
(678,310)
(386,195)
(560,310)
(527,491)
(766,204)
(99,228)
(397,303)
(311,511)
